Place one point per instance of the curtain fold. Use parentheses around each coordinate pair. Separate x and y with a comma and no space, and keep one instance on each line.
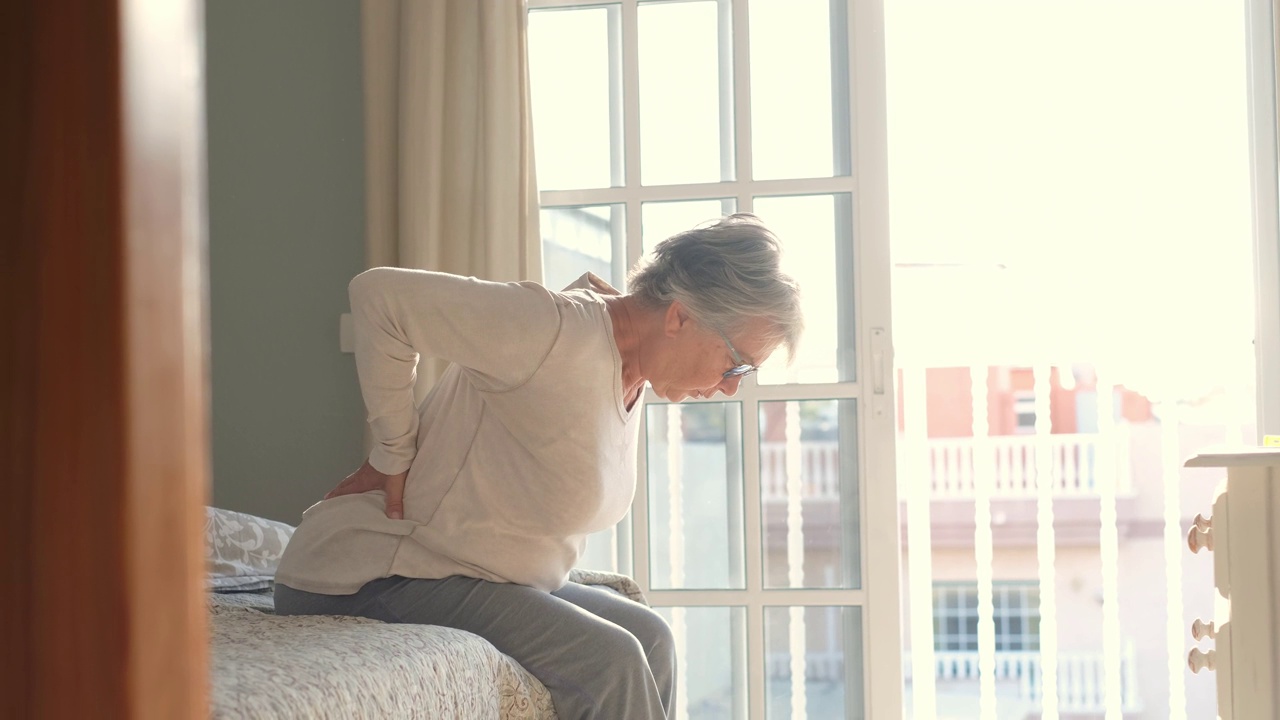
(448,141)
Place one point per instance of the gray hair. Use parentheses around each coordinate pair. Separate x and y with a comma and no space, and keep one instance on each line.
(726,272)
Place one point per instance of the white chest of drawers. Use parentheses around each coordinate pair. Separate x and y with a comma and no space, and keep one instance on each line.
(1244,535)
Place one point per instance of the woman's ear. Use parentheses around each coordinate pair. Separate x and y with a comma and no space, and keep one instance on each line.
(676,318)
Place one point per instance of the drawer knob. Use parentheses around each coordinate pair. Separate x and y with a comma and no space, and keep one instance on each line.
(1197,539)
(1202,522)
(1198,660)
(1201,630)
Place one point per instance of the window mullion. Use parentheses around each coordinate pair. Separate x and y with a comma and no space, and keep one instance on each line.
(736,499)
(741,190)
(756,675)
(726,45)
(629,34)
(618,123)
(631,93)
(620,231)
(742,102)
(753,527)
(545,4)
(631,129)
(841,90)
(640,568)
(1264,88)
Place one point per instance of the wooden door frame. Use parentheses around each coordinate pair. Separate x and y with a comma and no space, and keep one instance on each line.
(103,413)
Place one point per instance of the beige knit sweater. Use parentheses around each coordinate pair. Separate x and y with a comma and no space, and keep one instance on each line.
(522,449)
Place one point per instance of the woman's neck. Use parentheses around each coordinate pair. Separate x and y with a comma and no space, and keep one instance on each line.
(628,320)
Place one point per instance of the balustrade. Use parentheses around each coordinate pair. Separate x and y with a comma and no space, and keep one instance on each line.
(1073,466)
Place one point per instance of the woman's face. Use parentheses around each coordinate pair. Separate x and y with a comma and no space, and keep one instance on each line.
(693,357)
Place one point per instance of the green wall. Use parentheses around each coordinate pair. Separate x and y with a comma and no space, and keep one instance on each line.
(286,229)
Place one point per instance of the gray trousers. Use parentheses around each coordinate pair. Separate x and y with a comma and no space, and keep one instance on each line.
(600,654)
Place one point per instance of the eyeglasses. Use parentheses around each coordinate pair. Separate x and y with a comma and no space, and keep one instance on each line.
(741,367)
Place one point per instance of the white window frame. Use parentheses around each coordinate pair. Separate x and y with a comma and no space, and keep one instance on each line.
(1264,89)
(867,186)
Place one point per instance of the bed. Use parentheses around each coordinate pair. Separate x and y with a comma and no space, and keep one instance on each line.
(265,666)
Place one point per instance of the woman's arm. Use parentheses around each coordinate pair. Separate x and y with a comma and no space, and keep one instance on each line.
(498,333)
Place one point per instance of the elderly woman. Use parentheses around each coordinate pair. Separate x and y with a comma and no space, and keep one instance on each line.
(526,445)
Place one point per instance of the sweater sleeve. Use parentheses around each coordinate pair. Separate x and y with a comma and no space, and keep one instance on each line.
(498,333)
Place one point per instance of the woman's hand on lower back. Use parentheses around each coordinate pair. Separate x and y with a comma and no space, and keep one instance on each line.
(366,479)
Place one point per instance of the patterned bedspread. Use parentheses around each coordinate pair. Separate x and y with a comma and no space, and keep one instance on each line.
(265,666)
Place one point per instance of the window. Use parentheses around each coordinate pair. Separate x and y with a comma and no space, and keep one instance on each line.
(1024,412)
(748,530)
(1016,613)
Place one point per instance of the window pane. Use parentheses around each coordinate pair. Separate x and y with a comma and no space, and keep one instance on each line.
(661,220)
(711,659)
(604,549)
(809,489)
(695,495)
(575,94)
(793,130)
(814,657)
(686,120)
(576,240)
(816,234)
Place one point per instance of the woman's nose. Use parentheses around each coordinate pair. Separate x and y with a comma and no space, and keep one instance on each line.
(729,385)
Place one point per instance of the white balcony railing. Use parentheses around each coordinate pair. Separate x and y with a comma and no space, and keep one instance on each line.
(1081,677)
(819,470)
(1072,466)
(818,666)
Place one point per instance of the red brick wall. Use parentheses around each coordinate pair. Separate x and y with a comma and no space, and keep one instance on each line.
(950,401)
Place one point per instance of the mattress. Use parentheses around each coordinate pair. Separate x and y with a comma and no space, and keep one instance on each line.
(264,666)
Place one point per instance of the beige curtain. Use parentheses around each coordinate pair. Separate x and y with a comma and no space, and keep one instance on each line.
(448,141)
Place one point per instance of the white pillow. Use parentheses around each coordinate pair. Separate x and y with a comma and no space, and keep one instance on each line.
(242,551)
